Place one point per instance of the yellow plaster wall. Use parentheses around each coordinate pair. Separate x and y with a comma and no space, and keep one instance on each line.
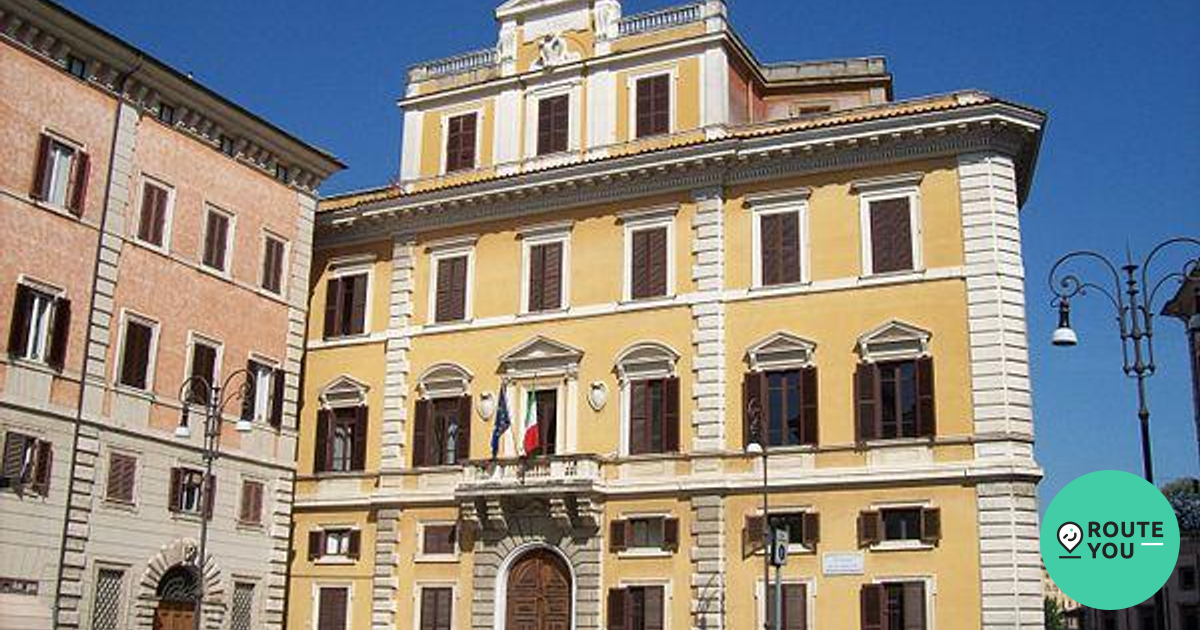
(626,569)
(955,561)
(421,572)
(306,576)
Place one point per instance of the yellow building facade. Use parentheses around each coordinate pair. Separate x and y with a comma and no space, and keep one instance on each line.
(650,255)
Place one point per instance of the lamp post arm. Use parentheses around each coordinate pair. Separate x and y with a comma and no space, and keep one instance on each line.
(1070,285)
(1149,297)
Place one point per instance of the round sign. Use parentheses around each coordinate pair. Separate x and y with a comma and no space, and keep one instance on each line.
(1110,540)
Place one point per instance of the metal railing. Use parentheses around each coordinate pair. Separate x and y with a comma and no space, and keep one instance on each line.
(536,471)
(661,19)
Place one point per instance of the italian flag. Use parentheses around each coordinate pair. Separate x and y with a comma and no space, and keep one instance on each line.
(533,439)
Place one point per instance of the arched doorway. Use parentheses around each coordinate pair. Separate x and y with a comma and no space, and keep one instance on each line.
(176,593)
(538,593)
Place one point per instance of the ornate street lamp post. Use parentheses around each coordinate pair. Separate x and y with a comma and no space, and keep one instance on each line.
(758,446)
(1132,297)
(212,398)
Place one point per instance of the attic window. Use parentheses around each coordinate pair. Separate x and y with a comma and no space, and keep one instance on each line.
(811,110)
(166,113)
(281,173)
(76,66)
(227,145)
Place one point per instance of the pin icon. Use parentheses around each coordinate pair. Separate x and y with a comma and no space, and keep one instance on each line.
(1069,536)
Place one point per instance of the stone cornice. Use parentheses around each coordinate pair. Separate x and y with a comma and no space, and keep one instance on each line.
(992,125)
(51,33)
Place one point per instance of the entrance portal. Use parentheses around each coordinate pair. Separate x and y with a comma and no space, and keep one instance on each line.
(539,593)
(176,599)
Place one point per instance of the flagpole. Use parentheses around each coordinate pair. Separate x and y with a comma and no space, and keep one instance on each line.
(512,434)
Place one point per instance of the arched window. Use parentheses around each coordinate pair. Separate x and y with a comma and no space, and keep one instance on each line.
(649,399)
(178,584)
(442,422)
(341,444)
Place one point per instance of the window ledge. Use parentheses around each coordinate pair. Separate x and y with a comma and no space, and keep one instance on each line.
(34,364)
(250,527)
(216,273)
(334,561)
(162,250)
(902,545)
(784,288)
(793,550)
(187,517)
(900,442)
(892,276)
(550,312)
(645,553)
(647,302)
(130,390)
(120,506)
(436,558)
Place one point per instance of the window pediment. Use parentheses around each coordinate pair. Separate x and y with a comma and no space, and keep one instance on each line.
(648,359)
(895,340)
(343,392)
(541,355)
(445,380)
(780,351)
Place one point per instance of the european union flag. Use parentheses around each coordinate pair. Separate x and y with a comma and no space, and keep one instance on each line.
(503,422)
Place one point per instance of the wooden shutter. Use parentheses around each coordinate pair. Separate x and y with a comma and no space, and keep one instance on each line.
(891,235)
(866,392)
(278,381)
(150,221)
(671,534)
(80,174)
(753,385)
(333,296)
(18,332)
(14,458)
(670,418)
(332,614)
(653,102)
(250,389)
(926,415)
(122,469)
(752,532)
(870,526)
(176,481)
(354,546)
(358,452)
(931,526)
(316,544)
(460,142)
(462,445)
(914,606)
(616,535)
(639,417)
(41,179)
(537,278)
(244,503)
(61,334)
(795,607)
(321,447)
(656,260)
(768,231)
(204,366)
(357,322)
(420,447)
(617,609)
(43,467)
(553,120)
(809,397)
(451,297)
(789,247)
(638,274)
(210,496)
(812,529)
(652,607)
(873,607)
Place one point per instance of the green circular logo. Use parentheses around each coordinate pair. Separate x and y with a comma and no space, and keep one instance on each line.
(1110,540)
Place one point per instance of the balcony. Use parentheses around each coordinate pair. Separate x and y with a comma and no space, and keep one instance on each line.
(458,64)
(661,19)
(561,474)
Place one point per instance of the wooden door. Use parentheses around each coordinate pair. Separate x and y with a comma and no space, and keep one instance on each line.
(539,593)
(174,616)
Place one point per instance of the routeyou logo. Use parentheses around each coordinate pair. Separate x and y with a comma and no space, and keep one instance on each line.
(1110,540)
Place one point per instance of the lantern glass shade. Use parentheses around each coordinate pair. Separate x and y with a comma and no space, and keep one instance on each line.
(244,425)
(754,448)
(1064,335)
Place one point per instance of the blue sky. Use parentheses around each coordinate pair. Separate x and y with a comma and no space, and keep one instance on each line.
(1120,162)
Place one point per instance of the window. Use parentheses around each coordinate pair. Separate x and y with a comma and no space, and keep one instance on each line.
(648,262)
(273,264)
(122,475)
(346,305)
(332,608)
(895,400)
(893,606)
(341,440)
(554,115)
(653,106)
(545,276)
(227,145)
(460,142)
(442,431)
(61,178)
(136,353)
(76,66)
(900,524)
(439,539)
(339,542)
(282,173)
(250,508)
(654,533)
(153,220)
(803,528)
(794,612)
(1145,617)
(205,367)
(889,216)
(106,604)
(437,605)
(545,402)
(779,235)
(786,400)
(189,493)
(1190,614)
(451,288)
(40,326)
(654,416)
(263,399)
(216,240)
(166,113)
(1187,578)
(637,608)
(28,463)
(241,613)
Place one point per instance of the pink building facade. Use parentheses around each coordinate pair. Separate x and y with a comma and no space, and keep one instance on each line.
(152,231)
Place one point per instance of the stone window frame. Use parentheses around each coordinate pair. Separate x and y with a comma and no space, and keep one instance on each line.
(667,585)
(419,587)
(641,361)
(318,585)
(444,126)
(930,582)
(648,219)
(671,70)
(427,557)
(546,235)
(438,251)
(168,213)
(127,316)
(780,202)
(810,596)
(906,186)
